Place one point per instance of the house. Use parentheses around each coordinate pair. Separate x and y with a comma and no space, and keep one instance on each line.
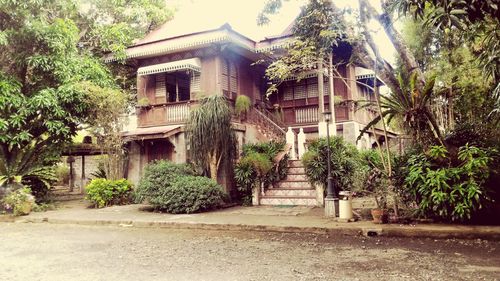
(174,72)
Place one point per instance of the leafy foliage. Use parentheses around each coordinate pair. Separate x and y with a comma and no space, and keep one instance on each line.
(411,107)
(448,190)
(343,162)
(54,79)
(158,175)
(174,188)
(257,166)
(189,194)
(19,202)
(103,192)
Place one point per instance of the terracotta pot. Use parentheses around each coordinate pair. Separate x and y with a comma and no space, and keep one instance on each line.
(379,216)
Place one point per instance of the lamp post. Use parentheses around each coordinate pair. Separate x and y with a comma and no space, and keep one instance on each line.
(331,200)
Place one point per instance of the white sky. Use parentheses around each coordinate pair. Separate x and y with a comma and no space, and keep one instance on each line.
(198,15)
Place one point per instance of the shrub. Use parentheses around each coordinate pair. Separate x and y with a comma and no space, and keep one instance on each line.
(343,162)
(157,176)
(103,192)
(188,194)
(19,202)
(257,166)
(447,188)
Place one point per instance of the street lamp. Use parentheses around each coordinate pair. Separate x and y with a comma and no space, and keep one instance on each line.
(331,200)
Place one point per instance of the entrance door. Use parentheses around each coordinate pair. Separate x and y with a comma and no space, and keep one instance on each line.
(159,149)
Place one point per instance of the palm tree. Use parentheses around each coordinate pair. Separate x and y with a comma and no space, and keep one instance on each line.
(412,107)
(211,138)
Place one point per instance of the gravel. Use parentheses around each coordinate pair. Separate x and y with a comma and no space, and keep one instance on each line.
(72,252)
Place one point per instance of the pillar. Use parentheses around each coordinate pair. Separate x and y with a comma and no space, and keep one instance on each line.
(301,140)
(290,139)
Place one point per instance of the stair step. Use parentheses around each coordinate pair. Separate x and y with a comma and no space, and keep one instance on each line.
(66,197)
(296,170)
(299,200)
(282,192)
(295,177)
(294,185)
(295,164)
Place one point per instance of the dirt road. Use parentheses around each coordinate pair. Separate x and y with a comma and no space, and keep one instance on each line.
(70,252)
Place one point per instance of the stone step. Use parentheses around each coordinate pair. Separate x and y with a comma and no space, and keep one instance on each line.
(67,197)
(288,201)
(294,185)
(296,171)
(295,164)
(295,177)
(295,192)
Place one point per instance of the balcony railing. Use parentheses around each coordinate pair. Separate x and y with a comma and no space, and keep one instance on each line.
(164,114)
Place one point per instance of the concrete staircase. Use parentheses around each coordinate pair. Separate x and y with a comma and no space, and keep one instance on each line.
(293,190)
(63,193)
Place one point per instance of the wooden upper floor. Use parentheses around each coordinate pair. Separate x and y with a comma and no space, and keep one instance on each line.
(173,74)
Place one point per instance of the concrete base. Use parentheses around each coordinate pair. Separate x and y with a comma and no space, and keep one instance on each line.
(331,207)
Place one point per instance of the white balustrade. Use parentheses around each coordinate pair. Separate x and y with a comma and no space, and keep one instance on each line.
(306,115)
(177,112)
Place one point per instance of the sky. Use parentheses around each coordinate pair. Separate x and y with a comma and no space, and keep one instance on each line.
(197,15)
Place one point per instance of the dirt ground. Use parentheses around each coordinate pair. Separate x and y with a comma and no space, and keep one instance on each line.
(71,252)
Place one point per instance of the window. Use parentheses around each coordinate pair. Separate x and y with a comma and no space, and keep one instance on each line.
(229,79)
(307,88)
(175,86)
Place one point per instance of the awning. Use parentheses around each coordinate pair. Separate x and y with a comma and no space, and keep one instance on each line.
(187,64)
(159,132)
(366,76)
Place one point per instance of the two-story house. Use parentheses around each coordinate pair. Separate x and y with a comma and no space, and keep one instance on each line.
(174,72)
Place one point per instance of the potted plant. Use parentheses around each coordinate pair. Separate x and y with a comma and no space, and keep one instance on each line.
(242,106)
(143,103)
(378,186)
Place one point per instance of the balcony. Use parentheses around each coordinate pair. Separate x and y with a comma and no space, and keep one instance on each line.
(164,114)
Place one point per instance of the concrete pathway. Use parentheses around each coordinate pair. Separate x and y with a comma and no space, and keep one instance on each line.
(261,218)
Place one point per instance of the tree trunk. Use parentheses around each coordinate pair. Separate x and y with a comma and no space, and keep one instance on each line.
(213,167)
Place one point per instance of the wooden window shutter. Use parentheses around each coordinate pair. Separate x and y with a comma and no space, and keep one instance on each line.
(160,89)
(225,76)
(233,79)
(195,82)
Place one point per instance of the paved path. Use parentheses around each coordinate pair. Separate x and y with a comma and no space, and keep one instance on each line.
(78,252)
(279,219)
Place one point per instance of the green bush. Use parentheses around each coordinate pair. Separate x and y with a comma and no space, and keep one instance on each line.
(343,162)
(173,188)
(19,202)
(103,192)
(189,194)
(157,176)
(449,188)
(257,166)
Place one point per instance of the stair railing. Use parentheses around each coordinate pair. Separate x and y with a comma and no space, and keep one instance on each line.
(266,121)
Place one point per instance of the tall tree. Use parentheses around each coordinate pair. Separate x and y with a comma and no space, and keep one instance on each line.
(212,142)
(50,57)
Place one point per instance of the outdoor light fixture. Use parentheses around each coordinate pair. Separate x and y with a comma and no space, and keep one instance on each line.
(328,116)
(330,191)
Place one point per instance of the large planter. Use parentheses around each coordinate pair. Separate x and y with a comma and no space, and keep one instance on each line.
(379,216)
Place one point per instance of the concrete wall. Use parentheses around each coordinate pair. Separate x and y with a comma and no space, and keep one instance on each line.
(91,166)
